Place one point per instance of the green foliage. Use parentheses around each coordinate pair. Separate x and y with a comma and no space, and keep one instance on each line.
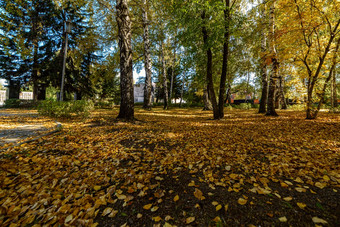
(297,107)
(79,108)
(12,103)
(104,104)
(17,103)
(242,106)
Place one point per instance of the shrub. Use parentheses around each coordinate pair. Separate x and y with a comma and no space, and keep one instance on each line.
(297,107)
(79,108)
(12,103)
(104,104)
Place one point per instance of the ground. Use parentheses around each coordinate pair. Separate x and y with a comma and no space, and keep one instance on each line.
(175,168)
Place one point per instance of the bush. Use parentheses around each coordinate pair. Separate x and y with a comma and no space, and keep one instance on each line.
(242,106)
(18,103)
(12,103)
(79,108)
(297,107)
(104,104)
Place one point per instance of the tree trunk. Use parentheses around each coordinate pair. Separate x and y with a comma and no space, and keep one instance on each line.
(126,79)
(334,87)
(165,80)
(334,91)
(182,90)
(206,100)
(282,95)
(275,65)
(211,91)
(147,60)
(224,61)
(264,76)
(34,75)
(172,75)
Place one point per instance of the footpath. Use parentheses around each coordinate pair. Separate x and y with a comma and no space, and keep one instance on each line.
(17,126)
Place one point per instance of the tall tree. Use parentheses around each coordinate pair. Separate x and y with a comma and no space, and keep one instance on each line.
(263,64)
(275,64)
(126,78)
(147,59)
(164,77)
(225,59)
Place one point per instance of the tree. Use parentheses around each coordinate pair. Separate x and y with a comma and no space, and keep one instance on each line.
(147,58)
(275,64)
(126,110)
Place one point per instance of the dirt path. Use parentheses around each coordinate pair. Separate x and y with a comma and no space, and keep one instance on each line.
(18,125)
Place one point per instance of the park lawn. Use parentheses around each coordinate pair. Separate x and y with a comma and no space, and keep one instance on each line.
(176,167)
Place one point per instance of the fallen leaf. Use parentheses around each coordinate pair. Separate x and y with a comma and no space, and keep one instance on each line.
(198,194)
(113,213)
(242,201)
(147,207)
(68,218)
(153,209)
(320,185)
(317,220)
(301,205)
(139,215)
(156,219)
(283,219)
(107,211)
(219,207)
(287,199)
(97,187)
(190,220)
(176,198)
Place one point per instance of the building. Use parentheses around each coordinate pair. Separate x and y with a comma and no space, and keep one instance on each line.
(138,92)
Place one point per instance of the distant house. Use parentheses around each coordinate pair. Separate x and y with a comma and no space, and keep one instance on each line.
(139,92)
(25,95)
(3,97)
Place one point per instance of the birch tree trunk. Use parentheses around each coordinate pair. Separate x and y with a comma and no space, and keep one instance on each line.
(211,92)
(264,76)
(282,94)
(275,65)
(225,61)
(147,60)
(165,80)
(172,74)
(334,87)
(126,79)
(206,100)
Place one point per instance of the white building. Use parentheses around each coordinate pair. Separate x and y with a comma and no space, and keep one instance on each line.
(138,92)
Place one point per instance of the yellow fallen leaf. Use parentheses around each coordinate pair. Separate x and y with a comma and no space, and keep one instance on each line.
(176,198)
(156,219)
(300,189)
(320,185)
(190,220)
(214,203)
(283,219)
(167,218)
(97,187)
(198,194)
(147,207)
(167,225)
(326,178)
(287,199)
(107,211)
(119,196)
(219,207)
(153,209)
(139,215)
(113,213)
(217,219)
(317,220)
(301,205)
(242,201)
(68,218)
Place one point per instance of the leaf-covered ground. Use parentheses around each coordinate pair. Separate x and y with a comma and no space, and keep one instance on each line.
(176,168)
